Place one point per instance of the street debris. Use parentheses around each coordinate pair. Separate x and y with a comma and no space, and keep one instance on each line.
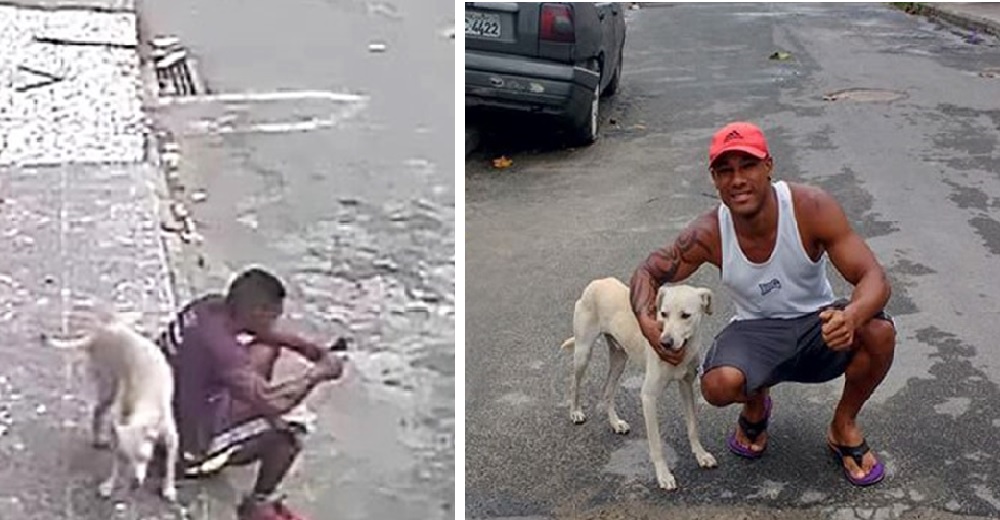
(171,156)
(990,73)
(864,95)
(180,210)
(249,220)
(383,8)
(171,227)
(974,38)
(199,196)
(502,162)
(377,47)
(780,56)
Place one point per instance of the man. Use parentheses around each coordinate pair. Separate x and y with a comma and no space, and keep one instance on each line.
(771,240)
(228,410)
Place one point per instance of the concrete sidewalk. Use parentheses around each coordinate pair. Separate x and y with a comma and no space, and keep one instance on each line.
(79,204)
(982,17)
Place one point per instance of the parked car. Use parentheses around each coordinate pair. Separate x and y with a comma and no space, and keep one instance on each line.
(547,58)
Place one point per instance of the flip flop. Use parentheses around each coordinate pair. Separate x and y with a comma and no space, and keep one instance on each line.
(751,430)
(857,453)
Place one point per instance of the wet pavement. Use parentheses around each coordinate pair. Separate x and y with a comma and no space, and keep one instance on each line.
(916,177)
(354,208)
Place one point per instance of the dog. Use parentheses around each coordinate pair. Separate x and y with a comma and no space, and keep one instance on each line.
(605,309)
(135,384)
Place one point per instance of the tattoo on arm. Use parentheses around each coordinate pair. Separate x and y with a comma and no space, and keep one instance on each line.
(663,266)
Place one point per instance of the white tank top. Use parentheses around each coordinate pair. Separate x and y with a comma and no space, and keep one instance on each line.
(789,284)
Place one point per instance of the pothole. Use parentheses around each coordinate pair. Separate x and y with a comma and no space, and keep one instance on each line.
(864,95)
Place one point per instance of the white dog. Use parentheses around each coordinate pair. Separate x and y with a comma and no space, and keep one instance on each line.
(605,309)
(135,383)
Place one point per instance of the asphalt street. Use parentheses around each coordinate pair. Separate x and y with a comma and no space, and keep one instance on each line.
(356,214)
(913,163)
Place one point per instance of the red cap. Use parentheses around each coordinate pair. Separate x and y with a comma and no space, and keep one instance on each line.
(738,136)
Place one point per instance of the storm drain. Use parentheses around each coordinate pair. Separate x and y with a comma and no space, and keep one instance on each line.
(176,73)
(864,95)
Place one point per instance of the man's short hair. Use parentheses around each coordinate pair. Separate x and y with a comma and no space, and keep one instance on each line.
(254,287)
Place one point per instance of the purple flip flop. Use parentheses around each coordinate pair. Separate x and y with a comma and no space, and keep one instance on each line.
(874,476)
(751,430)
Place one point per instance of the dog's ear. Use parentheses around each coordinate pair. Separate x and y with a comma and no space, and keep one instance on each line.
(706,299)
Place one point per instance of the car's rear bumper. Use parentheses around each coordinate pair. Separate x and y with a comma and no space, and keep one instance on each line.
(497,81)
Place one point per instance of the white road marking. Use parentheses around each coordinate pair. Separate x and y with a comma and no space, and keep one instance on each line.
(347,105)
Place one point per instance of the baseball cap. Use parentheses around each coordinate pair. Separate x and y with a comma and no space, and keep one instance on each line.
(738,136)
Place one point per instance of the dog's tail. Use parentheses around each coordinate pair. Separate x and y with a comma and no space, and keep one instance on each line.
(80,343)
(569,344)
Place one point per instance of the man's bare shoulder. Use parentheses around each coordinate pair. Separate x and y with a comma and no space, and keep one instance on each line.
(702,236)
(707,223)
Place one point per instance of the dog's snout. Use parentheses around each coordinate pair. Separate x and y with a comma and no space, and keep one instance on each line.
(667,342)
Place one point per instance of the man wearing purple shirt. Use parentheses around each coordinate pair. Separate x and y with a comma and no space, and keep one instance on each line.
(228,411)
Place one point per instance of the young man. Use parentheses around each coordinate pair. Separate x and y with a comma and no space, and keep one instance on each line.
(771,240)
(228,411)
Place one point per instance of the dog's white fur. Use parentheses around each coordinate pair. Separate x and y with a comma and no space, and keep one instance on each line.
(135,383)
(605,309)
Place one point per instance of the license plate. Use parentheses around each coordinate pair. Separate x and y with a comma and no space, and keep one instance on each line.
(483,25)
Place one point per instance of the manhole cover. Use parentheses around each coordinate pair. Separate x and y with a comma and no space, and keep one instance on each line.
(864,94)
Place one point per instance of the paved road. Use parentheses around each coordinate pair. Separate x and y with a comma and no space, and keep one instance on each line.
(917,178)
(358,218)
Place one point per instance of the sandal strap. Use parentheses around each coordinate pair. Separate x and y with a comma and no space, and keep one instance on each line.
(856,453)
(752,430)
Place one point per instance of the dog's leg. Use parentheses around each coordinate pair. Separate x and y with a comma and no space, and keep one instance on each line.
(106,390)
(582,349)
(652,385)
(171,443)
(108,485)
(616,366)
(705,459)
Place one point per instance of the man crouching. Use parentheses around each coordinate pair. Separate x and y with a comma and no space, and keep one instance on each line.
(228,410)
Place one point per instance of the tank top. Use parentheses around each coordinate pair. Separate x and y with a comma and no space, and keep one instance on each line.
(788,284)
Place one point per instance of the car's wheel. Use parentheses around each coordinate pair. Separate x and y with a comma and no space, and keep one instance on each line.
(586,132)
(612,87)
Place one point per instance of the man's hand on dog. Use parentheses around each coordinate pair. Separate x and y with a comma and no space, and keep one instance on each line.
(652,330)
(838,328)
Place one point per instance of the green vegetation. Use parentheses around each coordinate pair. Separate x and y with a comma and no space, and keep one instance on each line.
(910,7)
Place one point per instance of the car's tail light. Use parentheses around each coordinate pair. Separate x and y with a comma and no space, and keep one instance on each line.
(557,23)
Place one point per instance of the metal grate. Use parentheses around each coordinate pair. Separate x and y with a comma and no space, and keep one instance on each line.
(175,70)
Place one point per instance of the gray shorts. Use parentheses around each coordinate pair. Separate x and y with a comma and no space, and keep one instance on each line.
(772,351)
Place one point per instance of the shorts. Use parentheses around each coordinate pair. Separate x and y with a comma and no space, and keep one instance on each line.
(771,350)
(227,444)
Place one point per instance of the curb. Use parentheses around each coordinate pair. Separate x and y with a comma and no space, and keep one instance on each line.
(946,13)
(171,246)
(968,21)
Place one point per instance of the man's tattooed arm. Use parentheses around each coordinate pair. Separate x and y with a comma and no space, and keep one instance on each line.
(670,264)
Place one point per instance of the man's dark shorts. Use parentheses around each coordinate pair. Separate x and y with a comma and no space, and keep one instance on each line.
(772,351)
